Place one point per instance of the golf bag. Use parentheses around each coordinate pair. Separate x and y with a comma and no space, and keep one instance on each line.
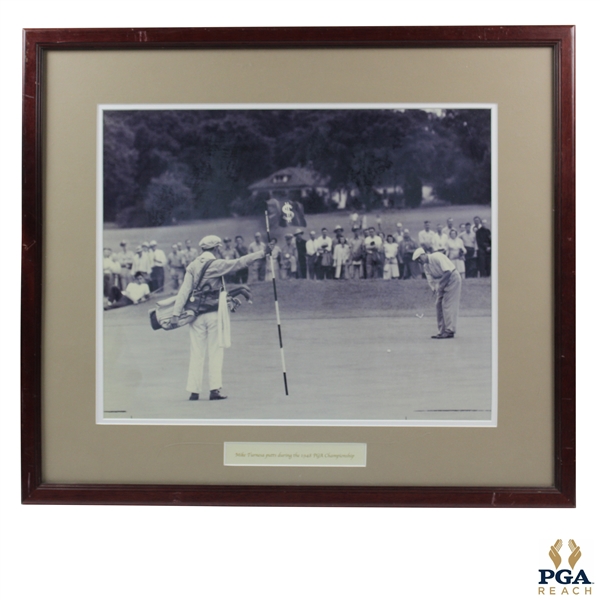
(202,300)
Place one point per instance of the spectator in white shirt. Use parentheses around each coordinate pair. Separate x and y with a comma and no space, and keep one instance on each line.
(341,258)
(426,238)
(449,226)
(274,261)
(324,260)
(159,262)
(357,251)
(470,242)
(390,269)
(176,262)
(289,257)
(137,291)
(125,258)
(189,254)
(373,247)
(399,235)
(456,252)
(111,269)
(259,266)
(440,239)
(142,261)
(311,255)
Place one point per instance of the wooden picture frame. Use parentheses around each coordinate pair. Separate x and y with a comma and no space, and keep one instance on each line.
(559,39)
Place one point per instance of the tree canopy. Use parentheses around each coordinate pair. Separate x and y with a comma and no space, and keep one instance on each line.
(162,165)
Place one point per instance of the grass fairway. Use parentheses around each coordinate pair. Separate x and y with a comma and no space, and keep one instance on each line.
(355,350)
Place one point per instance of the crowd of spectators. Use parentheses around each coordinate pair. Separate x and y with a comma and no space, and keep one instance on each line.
(371,253)
(147,263)
(367,253)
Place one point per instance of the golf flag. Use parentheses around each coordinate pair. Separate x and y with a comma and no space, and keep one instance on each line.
(285,212)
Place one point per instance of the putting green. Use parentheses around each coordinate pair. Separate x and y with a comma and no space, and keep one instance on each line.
(355,350)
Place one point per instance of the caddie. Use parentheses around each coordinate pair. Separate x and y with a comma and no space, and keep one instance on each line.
(445,281)
(204,277)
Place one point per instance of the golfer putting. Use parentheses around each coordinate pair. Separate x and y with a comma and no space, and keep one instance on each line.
(203,289)
(445,282)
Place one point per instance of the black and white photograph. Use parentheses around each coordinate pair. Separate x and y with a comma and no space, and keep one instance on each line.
(297,264)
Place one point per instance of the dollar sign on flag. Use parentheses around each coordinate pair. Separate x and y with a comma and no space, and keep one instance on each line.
(288,212)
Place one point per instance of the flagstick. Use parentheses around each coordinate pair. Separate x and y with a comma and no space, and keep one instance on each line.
(277,308)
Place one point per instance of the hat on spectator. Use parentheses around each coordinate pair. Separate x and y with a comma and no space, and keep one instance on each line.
(153,243)
(226,239)
(144,244)
(210,241)
(289,235)
(418,252)
(398,224)
(298,231)
(123,243)
(338,228)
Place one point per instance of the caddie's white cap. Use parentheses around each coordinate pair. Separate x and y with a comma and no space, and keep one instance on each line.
(210,241)
(418,252)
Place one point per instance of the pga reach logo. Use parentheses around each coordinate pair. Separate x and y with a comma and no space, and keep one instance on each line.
(564,582)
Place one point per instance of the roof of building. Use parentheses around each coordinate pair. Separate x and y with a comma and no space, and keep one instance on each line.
(290,177)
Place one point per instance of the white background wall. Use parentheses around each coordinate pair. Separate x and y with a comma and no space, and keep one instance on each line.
(164,552)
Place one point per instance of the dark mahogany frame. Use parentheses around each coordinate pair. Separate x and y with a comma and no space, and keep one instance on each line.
(560,38)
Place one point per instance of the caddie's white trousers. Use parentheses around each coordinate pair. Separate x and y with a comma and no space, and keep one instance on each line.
(204,336)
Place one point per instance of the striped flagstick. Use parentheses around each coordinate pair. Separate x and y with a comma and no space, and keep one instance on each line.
(277,308)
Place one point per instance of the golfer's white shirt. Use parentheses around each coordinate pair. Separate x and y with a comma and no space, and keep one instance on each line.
(438,265)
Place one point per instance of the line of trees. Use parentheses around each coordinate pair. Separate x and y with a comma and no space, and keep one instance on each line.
(166,165)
